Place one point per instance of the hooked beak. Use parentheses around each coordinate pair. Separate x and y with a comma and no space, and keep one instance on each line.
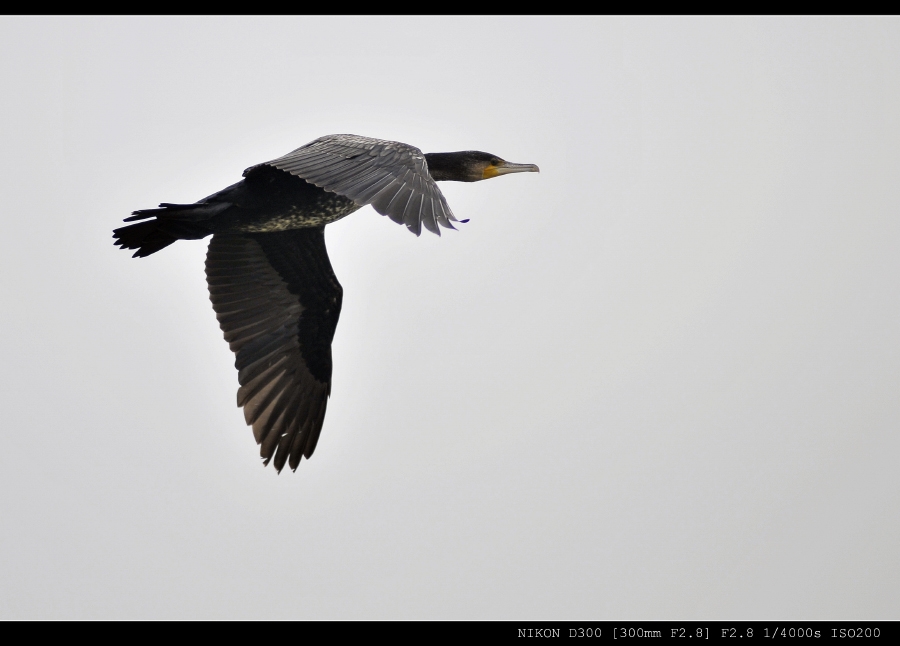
(506,167)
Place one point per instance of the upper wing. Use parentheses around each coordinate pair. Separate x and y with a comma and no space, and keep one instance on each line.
(391,176)
(278,302)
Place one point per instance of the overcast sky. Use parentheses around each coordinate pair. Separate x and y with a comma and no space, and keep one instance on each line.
(659,380)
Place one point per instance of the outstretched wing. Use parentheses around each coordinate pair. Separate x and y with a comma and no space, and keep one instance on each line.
(278,302)
(391,176)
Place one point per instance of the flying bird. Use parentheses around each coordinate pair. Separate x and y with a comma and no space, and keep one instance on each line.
(270,281)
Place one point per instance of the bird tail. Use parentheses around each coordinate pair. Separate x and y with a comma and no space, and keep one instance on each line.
(170,222)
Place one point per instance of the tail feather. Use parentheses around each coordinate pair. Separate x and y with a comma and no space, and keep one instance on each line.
(146,237)
(172,222)
(194,212)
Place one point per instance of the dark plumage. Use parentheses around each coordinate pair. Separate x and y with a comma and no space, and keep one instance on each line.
(270,281)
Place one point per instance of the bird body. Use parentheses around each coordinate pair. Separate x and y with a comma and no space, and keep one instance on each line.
(270,281)
(271,200)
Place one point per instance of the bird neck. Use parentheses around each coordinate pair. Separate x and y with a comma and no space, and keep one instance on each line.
(451,167)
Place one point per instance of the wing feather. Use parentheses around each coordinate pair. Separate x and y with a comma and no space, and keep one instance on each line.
(372,171)
(278,302)
(412,215)
(252,370)
(267,395)
(257,379)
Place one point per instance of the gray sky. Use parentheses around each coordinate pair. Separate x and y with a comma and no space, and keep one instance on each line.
(658,380)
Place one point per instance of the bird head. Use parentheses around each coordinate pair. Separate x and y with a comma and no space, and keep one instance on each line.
(471,166)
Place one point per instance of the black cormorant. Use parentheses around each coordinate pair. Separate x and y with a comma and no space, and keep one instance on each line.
(270,282)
